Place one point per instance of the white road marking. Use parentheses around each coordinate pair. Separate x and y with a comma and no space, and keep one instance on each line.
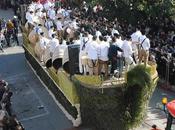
(18,76)
(34,117)
(14,77)
(70,117)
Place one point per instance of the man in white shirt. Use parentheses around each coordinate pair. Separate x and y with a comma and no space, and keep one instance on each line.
(51,13)
(48,23)
(127,53)
(82,54)
(43,45)
(144,44)
(103,56)
(47,5)
(98,33)
(120,64)
(114,31)
(59,28)
(135,41)
(51,31)
(53,44)
(30,19)
(38,29)
(92,54)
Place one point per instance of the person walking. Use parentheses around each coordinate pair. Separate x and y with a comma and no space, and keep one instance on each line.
(9,32)
(15,22)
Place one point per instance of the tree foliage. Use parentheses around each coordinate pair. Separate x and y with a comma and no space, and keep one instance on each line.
(147,8)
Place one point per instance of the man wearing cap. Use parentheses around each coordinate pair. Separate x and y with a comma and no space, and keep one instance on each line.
(127,53)
(144,44)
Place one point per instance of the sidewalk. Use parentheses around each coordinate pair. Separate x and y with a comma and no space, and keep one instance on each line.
(6,14)
(155,114)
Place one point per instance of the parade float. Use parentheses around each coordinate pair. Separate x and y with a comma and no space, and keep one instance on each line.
(113,104)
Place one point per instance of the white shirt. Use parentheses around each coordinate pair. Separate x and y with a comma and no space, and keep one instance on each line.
(27,15)
(50,32)
(59,25)
(92,50)
(144,42)
(114,31)
(39,14)
(127,49)
(51,14)
(32,6)
(74,25)
(30,18)
(47,5)
(53,44)
(77,42)
(98,33)
(84,41)
(109,39)
(135,36)
(43,42)
(38,29)
(119,43)
(48,24)
(104,49)
(39,6)
(135,40)
(59,51)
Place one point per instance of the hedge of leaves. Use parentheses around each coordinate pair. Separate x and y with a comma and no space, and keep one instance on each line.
(118,108)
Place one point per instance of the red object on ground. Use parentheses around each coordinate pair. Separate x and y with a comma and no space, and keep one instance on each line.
(171,108)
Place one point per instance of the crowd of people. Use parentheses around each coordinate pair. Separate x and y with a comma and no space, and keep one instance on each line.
(9,32)
(102,42)
(8,121)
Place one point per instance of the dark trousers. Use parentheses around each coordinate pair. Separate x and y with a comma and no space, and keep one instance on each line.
(113,66)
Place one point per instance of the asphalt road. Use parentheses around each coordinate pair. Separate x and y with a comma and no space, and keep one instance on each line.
(31,102)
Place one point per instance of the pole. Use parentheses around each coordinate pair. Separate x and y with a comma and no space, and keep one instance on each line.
(169,122)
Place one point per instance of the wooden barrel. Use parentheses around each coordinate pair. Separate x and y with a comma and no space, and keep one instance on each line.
(26,26)
(33,37)
(38,50)
(47,58)
(57,58)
